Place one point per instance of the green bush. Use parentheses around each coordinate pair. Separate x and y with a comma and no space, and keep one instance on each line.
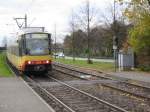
(4,70)
(145,68)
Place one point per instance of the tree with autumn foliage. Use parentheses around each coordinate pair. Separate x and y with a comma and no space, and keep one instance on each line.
(138,14)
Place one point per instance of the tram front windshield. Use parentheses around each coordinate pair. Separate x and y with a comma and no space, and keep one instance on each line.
(37,44)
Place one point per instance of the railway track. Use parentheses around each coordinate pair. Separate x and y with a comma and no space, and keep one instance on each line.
(66,98)
(122,86)
(103,75)
(77,73)
(53,101)
(76,100)
(57,105)
(62,101)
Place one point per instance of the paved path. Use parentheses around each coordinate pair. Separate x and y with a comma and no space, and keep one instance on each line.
(141,76)
(17,96)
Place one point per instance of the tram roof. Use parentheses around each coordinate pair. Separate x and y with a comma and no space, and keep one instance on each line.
(27,30)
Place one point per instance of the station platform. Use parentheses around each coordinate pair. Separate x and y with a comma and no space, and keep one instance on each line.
(17,96)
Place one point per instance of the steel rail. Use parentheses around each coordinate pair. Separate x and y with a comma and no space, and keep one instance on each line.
(48,93)
(44,90)
(69,74)
(109,86)
(38,85)
(89,95)
(127,92)
(106,77)
(82,72)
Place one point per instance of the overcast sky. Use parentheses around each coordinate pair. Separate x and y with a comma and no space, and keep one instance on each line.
(42,13)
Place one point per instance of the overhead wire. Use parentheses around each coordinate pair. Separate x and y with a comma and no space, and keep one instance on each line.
(30,6)
(29,10)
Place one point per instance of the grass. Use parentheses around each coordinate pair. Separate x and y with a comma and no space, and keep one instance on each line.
(4,70)
(101,66)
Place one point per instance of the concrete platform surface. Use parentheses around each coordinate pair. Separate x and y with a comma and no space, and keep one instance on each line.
(17,96)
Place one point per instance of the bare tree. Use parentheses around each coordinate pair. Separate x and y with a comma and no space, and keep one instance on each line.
(88,36)
(86,19)
(72,25)
(88,29)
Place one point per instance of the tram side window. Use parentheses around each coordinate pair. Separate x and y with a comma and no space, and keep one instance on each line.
(49,39)
(20,47)
(15,50)
(23,47)
(8,49)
